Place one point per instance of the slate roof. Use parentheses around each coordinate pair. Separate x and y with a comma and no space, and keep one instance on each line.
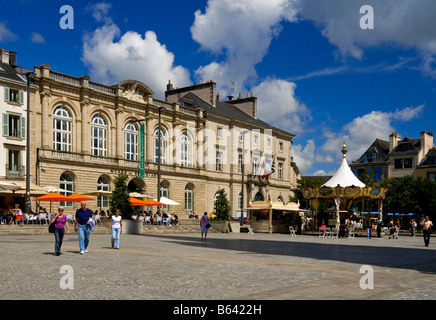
(9,73)
(226,110)
(380,147)
(407,145)
(427,161)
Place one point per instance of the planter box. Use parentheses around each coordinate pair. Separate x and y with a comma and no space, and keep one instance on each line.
(221,226)
(235,227)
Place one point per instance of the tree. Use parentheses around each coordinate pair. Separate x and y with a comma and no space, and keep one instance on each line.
(222,206)
(306,183)
(120,197)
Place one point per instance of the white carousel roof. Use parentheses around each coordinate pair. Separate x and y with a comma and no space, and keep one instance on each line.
(344,177)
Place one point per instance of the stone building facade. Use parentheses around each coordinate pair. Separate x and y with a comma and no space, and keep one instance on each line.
(85,133)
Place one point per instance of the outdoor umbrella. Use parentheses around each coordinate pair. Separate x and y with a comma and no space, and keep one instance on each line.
(99,193)
(137,195)
(145,203)
(52,197)
(167,201)
(8,186)
(53,189)
(79,197)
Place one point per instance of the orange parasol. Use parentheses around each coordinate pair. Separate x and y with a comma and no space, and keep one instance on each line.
(52,197)
(145,203)
(79,197)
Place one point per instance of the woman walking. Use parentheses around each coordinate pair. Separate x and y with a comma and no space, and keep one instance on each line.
(116,227)
(427,224)
(60,224)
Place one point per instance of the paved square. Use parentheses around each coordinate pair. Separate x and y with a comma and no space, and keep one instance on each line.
(227,266)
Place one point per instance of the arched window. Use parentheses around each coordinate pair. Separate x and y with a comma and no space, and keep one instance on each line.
(130,142)
(189,197)
(103,184)
(99,136)
(185,150)
(66,182)
(62,129)
(165,192)
(163,146)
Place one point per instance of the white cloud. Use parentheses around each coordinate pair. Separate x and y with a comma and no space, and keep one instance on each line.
(406,24)
(358,135)
(6,34)
(37,38)
(241,31)
(100,11)
(304,157)
(112,57)
(278,105)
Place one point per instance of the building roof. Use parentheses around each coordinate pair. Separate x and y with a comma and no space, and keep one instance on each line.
(406,145)
(9,73)
(429,159)
(344,177)
(380,148)
(226,110)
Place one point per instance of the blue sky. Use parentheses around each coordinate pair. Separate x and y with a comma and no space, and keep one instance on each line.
(315,71)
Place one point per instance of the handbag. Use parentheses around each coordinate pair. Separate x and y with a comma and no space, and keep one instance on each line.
(208,225)
(52,227)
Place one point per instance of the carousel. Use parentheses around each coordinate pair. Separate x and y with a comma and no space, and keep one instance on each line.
(343,188)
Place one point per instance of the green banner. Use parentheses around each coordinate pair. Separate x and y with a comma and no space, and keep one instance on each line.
(141,152)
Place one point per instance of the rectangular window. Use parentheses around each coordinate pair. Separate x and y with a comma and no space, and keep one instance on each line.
(14,164)
(219,161)
(431,176)
(280,146)
(255,139)
(219,132)
(280,171)
(14,126)
(407,163)
(255,165)
(240,160)
(377,174)
(15,96)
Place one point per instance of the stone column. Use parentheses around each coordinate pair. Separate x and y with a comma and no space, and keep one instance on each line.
(45,126)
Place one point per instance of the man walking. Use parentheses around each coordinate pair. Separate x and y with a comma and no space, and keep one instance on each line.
(427,224)
(82,224)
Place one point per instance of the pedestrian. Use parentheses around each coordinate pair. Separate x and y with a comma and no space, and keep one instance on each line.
(379,228)
(82,225)
(61,222)
(204,222)
(369,227)
(412,227)
(427,224)
(116,227)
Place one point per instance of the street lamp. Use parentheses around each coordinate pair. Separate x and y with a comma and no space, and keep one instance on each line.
(30,77)
(243,166)
(159,153)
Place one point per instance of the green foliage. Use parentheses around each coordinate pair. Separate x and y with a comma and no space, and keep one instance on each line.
(410,195)
(120,197)
(305,183)
(222,206)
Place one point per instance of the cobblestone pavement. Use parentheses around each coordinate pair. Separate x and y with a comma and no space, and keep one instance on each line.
(235,266)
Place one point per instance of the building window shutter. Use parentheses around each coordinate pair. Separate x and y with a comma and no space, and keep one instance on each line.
(5,125)
(6,94)
(364,158)
(23,128)
(21,97)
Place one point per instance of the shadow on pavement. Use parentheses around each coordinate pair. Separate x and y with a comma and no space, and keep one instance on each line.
(419,258)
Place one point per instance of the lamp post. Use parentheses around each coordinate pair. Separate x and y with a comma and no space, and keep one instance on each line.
(159,153)
(243,169)
(30,77)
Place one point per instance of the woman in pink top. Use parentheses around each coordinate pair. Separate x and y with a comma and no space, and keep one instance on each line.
(427,224)
(204,221)
(60,224)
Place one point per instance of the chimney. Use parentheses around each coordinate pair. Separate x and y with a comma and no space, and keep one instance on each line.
(4,56)
(394,138)
(169,86)
(13,59)
(426,142)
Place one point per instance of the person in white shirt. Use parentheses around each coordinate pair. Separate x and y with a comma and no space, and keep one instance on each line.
(116,227)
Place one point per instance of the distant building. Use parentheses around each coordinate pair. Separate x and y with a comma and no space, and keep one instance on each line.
(374,162)
(13,109)
(398,158)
